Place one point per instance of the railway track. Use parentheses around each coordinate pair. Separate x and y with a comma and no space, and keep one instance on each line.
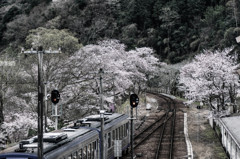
(165,144)
(156,139)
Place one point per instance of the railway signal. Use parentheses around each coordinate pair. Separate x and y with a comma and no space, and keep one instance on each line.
(134,100)
(55,96)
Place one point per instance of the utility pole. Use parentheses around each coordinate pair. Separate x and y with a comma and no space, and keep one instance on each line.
(46,106)
(102,115)
(40,53)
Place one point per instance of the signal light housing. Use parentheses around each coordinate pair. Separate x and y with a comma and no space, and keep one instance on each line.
(134,100)
(55,96)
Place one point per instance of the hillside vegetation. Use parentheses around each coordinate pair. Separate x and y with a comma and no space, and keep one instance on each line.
(137,43)
(175,29)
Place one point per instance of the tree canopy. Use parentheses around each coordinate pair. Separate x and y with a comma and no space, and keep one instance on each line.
(127,39)
(76,76)
(210,77)
(176,30)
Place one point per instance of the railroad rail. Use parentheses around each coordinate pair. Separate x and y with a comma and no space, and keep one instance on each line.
(156,139)
(169,124)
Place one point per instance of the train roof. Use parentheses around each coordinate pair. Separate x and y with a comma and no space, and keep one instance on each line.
(80,129)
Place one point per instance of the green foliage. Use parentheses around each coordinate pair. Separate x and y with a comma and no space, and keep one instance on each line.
(12,12)
(129,34)
(29,5)
(32,132)
(214,17)
(54,39)
(81,3)
(175,29)
(210,137)
(142,13)
(3,3)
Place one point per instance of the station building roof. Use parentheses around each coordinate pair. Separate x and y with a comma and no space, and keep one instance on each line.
(232,125)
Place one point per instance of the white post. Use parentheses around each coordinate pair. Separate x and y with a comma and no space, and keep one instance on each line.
(46,108)
(56,116)
(198,127)
(102,152)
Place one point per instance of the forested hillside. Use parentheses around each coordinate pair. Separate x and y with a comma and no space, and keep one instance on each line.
(175,29)
(138,43)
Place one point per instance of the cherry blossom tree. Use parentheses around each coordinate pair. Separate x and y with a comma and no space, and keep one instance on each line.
(210,77)
(122,70)
(143,65)
(15,102)
(76,76)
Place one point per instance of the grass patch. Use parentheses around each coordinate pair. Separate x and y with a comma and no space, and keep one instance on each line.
(210,137)
(182,99)
(208,133)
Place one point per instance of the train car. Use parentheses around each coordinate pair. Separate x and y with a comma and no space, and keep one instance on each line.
(78,141)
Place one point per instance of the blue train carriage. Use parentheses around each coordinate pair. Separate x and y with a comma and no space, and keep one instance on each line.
(78,141)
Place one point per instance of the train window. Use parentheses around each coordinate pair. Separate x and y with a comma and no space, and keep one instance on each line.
(80,154)
(74,155)
(117,134)
(124,127)
(105,141)
(97,145)
(94,149)
(121,132)
(89,151)
(113,136)
(84,153)
(109,140)
(69,157)
(127,127)
(97,149)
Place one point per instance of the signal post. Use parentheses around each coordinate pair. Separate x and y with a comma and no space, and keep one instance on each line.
(55,97)
(134,100)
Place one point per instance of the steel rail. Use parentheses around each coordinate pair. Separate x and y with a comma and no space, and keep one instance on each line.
(165,127)
(154,130)
(173,116)
(172,132)
(149,127)
(160,141)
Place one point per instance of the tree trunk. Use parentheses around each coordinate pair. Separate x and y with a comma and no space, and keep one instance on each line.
(1,109)
(210,103)
(232,95)
(235,12)
(222,100)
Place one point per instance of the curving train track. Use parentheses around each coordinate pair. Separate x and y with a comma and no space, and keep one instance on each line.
(161,135)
